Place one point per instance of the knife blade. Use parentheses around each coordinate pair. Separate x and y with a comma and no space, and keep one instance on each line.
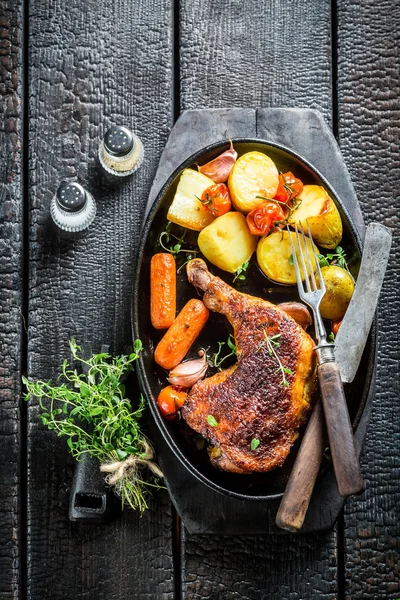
(353,332)
(349,345)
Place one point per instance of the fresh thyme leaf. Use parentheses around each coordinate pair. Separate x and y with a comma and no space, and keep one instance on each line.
(254,444)
(212,421)
(240,273)
(215,360)
(331,337)
(323,261)
(90,409)
(231,344)
(338,257)
(272,343)
(291,260)
(176,247)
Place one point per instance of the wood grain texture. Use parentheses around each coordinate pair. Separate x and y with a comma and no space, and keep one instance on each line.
(259,568)
(369,117)
(91,64)
(242,55)
(255,54)
(11,256)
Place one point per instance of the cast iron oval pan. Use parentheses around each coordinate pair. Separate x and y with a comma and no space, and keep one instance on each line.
(180,438)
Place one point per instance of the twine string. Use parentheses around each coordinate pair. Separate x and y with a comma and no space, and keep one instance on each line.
(128,468)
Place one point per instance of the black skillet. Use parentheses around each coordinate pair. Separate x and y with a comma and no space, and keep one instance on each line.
(183,441)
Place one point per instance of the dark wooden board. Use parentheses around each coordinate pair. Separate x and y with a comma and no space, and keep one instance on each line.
(91,64)
(243,54)
(11,294)
(369,118)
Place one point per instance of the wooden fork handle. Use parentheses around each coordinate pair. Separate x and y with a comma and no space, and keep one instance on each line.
(295,501)
(340,433)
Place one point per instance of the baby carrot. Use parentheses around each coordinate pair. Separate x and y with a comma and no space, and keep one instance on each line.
(177,341)
(162,290)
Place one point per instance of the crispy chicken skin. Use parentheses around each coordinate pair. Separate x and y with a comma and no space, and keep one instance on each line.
(249,400)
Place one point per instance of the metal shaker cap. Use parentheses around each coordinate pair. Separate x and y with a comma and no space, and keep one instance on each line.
(118,141)
(72,208)
(71,197)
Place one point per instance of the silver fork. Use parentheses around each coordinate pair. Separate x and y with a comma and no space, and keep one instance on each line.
(345,461)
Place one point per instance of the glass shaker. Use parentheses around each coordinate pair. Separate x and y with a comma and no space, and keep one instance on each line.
(120,152)
(72,207)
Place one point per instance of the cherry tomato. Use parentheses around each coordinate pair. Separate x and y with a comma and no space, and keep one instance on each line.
(170,400)
(262,218)
(216,199)
(335,326)
(289,187)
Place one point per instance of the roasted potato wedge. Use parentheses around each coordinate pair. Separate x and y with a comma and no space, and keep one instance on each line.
(274,256)
(339,290)
(318,208)
(227,243)
(253,174)
(186,209)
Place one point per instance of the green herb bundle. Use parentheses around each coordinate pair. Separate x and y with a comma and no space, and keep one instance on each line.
(91,411)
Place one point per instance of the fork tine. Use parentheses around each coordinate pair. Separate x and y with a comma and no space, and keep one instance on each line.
(300,286)
(314,283)
(321,281)
(303,264)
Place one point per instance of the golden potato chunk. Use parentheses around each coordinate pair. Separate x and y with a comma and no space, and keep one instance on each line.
(275,256)
(253,174)
(227,243)
(339,286)
(318,208)
(186,209)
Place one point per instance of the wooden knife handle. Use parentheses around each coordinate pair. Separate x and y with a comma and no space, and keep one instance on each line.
(340,433)
(295,501)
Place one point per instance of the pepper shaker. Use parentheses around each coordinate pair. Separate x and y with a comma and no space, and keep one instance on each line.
(120,152)
(72,207)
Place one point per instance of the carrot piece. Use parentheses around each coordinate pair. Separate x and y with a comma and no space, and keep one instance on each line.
(162,290)
(177,341)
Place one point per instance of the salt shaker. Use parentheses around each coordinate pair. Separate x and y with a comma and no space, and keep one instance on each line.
(120,152)
(72,207)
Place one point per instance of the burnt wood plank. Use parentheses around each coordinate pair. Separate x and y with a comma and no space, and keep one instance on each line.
(256,54)
(91,64)
(243,55)
(369,117)
(11,259)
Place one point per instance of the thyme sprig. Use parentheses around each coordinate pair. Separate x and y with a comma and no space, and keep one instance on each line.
(90,409)
(215,360)
(175,242)
(273,343)
(241,272)
(338,257)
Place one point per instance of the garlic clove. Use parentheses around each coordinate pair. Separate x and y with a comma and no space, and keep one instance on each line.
(187,373)
(298,312)
(219,168)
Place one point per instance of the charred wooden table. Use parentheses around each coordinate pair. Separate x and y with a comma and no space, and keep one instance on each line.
(67,70)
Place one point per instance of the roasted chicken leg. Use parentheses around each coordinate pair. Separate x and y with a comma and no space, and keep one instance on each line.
(266,395)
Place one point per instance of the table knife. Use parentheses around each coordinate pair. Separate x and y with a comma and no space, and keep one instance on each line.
(349,346)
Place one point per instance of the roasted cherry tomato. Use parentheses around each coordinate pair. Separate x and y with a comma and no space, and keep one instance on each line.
(216,199)
(289,187)
(170,400)
(262,218)
(335,326)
